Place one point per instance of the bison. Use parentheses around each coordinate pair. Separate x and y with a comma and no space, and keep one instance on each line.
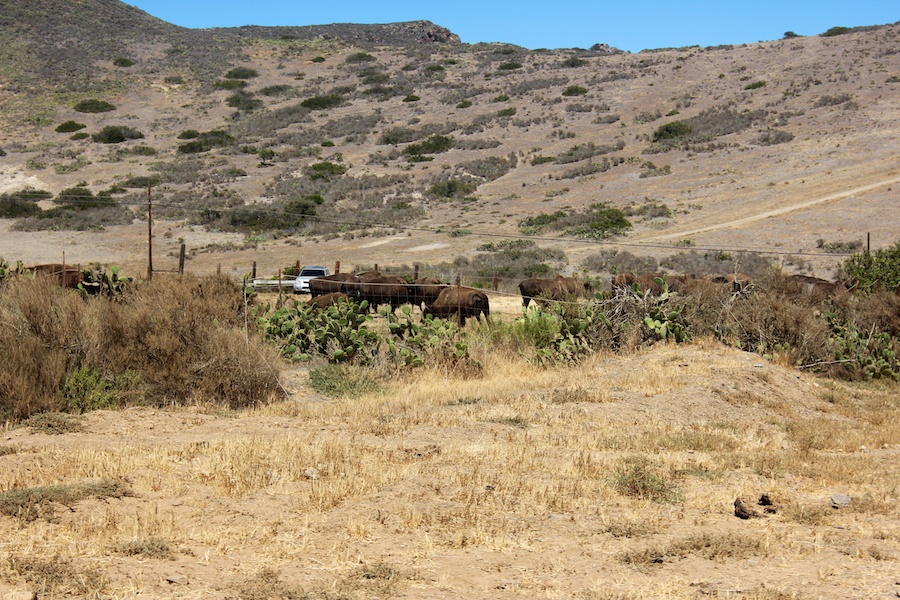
(557,288)
(330,284)
(460,302)
(425,290)
(324,301)
(816,286)
(386,289)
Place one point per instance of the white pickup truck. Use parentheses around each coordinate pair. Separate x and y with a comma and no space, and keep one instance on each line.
(301,283)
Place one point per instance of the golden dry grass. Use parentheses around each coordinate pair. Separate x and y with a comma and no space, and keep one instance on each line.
(508,484)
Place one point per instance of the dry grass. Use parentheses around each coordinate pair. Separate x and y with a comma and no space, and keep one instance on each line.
(594,481)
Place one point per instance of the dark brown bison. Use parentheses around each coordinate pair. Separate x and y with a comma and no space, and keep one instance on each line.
(623,281)
(460,302)
(330,284)
(815,286)
(386,289)
(65,275)
(425,290)
(323,301)
(557,288)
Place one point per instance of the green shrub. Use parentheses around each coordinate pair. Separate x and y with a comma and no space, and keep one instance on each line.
(69,127)
(575,90)
(81,198)
(319,59)
(206,141)
(123,62)
(343,381)
(451,188)
(359,57)
(275,90)
(323,102)
(838,30)
(94,106)
(141,182)
(241,73)
(79,136)
(507,112)
(874,272)
(86,390)
(464,104)
(244,101)
(230,84)
(671,130)
(411,98)
(189,134)
(173,80)
(509,66)
(325,170)
(13,206)
(572,62)
(755,85)
(434,144)
(116,134)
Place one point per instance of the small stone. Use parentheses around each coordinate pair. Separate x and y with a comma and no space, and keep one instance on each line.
(840,500)
(863,449)
(177,579)
(311,474)
(24,595)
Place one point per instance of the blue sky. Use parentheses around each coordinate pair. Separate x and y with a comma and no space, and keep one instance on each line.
(551,23)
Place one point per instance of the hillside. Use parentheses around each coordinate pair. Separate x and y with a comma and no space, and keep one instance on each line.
(396,144)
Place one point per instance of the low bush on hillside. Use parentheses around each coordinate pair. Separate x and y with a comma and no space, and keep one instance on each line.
(597,221)
(241,73)
(161,342)
(13,207)
(244,101)
(230,84)
(123,62)
(69,127)
(116,134)
(359,57)
(323,102)
(693,133)
(94,106)
(206,141)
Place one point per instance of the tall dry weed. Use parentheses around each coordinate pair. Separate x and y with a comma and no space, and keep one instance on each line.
(175,338)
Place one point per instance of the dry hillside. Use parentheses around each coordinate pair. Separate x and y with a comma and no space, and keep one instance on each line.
(792,146)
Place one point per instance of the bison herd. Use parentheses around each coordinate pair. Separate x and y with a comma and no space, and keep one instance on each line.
(433,296)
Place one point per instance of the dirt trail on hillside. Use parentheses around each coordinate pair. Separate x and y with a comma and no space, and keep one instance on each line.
(776,212)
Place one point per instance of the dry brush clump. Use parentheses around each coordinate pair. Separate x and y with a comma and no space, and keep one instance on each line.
(161,341)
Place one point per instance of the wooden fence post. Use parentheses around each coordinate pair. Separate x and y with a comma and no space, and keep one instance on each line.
(253,272)
(181,256)
(337,267)
(458,302)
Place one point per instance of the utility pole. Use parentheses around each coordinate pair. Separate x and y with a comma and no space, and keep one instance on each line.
(149,233)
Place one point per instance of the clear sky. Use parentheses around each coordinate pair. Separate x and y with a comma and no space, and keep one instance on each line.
(627,25)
